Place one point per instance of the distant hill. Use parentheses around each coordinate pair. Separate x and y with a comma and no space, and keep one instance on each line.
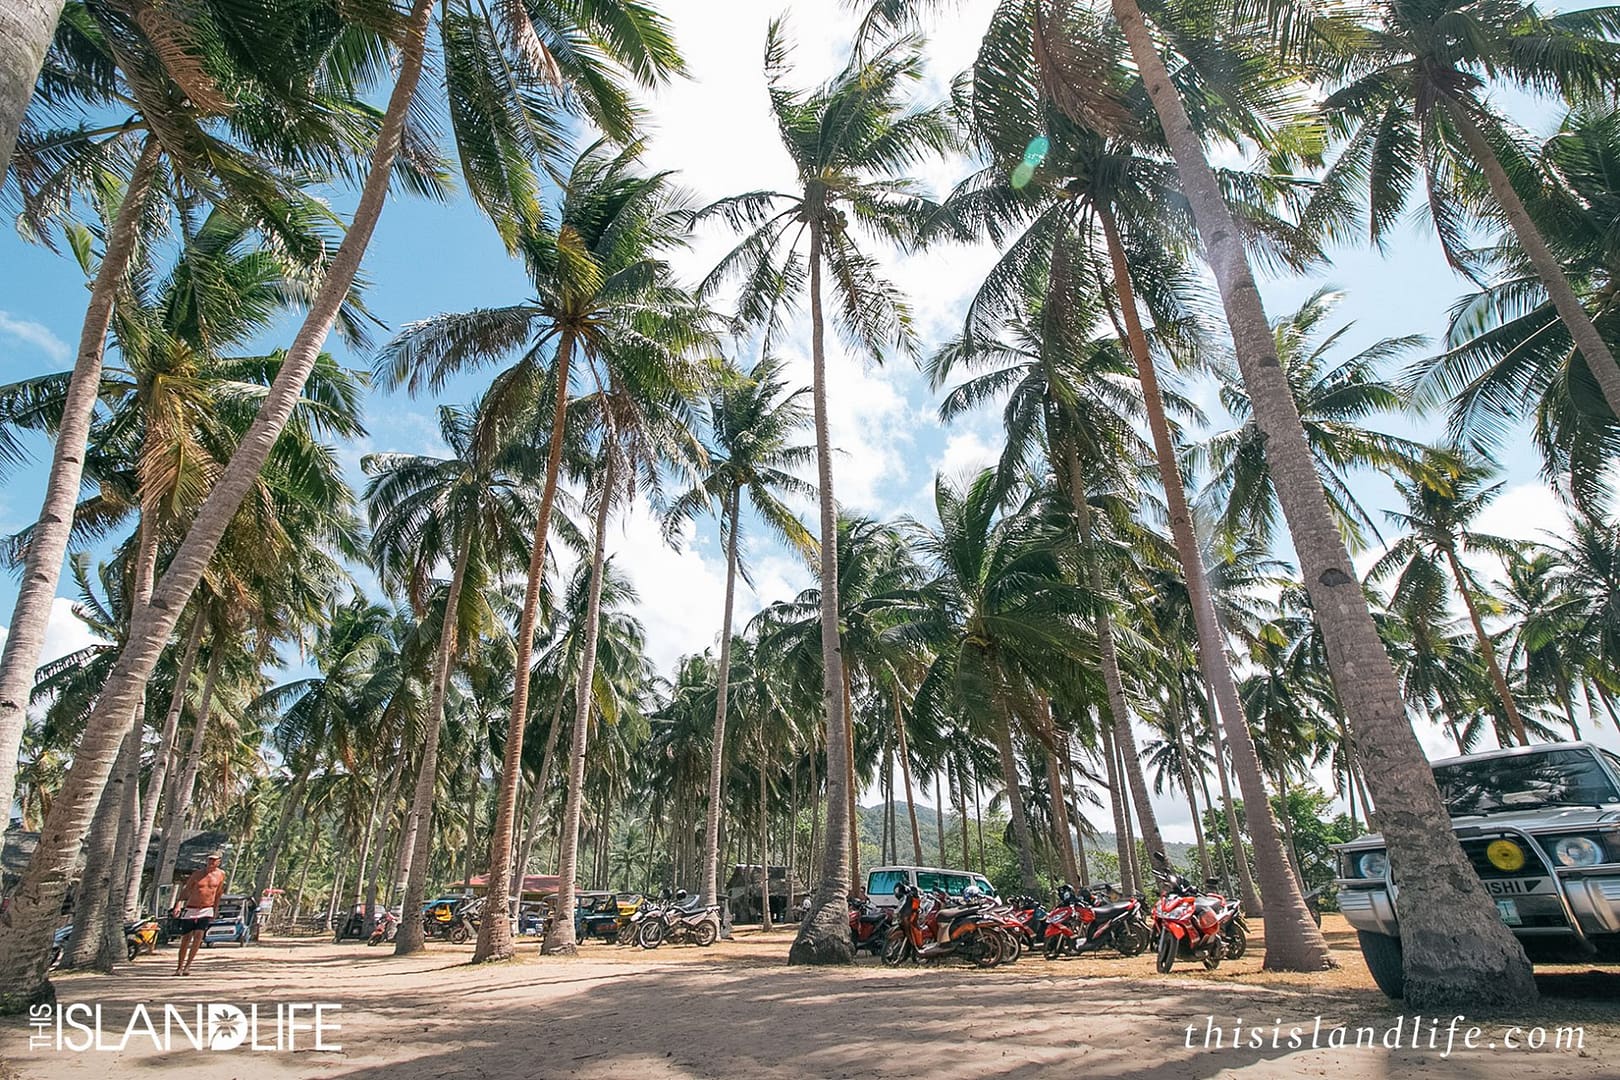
(1101,851)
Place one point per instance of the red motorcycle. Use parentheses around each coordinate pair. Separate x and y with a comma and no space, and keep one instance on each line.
(931,930)
(1195,925)
(868,925)
(1024,920)
(1083,922)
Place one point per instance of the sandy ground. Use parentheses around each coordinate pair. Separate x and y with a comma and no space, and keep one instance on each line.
(736,1010)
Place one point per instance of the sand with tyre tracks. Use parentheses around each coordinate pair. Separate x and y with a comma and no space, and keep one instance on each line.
(736,1010)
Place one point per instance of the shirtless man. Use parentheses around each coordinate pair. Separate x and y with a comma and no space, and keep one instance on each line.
(195,908)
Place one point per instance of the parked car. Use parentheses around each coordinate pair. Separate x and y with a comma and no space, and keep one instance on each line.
(1541,826)
(231,923)
(881,881)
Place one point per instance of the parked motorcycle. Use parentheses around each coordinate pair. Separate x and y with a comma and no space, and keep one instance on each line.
(467,917)
(141,936)
(1195,925)
(1024,919)
(386,929)
(931,930)
(868,925)
(680,923)
(1085,921)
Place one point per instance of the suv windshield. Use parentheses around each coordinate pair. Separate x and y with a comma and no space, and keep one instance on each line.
(1524,782)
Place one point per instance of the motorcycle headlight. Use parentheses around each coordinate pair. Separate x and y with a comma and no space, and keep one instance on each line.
(1372,864)
(1577,851)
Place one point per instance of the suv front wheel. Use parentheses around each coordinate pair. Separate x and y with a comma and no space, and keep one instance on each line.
(1383,956)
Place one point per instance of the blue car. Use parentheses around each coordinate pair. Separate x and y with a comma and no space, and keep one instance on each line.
(231,923)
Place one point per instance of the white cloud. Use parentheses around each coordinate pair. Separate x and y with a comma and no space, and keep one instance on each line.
(64,633)
(1530,511)
(36,334)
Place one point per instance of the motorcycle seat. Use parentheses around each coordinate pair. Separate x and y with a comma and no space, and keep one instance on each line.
(1108,911)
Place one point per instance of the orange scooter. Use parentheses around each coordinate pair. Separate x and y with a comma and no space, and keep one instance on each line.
(931,930)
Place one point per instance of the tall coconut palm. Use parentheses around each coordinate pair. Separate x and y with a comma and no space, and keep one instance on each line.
(849,141)
(1008,632)
(1436,523)
(1410,106)
(25,30)
(471,509)
(599,275)
(752,422)
(1483,963)
(1507,348)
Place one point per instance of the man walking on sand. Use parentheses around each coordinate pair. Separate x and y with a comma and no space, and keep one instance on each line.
(195,908)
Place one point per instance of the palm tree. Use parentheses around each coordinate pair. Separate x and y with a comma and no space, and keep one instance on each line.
(1413,79)
(1483,963)
(752,422)
(25,34)
(1437,533)
(1334,400)
(1007,631)
(1589,576)
(849,141)
(471,509)
(599,276)
(1506,345)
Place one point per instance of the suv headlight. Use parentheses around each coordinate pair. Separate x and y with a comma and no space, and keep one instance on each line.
(1577,851)
(1372,864)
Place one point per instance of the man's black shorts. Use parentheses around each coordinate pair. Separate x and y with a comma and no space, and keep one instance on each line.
(188,926)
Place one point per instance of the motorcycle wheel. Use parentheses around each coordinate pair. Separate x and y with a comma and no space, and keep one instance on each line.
(990,950)
(133,949)
(705,933)
(1237,942)
(1132,939)
(651,934)
(897,950)
(1167,952)
(1212,959)
(1053,949)
(1012,947)
(459,935)
(626,935)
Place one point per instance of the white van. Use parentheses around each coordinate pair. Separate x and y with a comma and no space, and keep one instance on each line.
(881,880)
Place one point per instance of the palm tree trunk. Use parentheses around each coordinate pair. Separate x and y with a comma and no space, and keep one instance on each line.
(25,942)
(1116,797)
(939,813)
(764,839)
(95,887)
(978,823)
(560,938)
(1135,872)
(161,763)
(709,886)
(1293,941)
(792,868)
(1060,820)
(1079,825)
(292,803)
(42,563)
(1015,802)
(129,822)
(416,840)
(495,934)
(303,877)
(178,817)
(26,29)
(520,868)
(1456,949)
(824,934)
(1251,895)
(905,773)
(1594,350)
(815,805)
(1487,650)
(853,805)
(1187,786)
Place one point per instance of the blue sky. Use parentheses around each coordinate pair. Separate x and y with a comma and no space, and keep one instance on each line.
(715,129)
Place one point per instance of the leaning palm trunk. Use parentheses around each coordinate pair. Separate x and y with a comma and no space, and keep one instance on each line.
(560,935)
(1060,820)
(179,813)
(166,752)
(25,941)
(1251,896)
(1457,951)
(823,936)
(537,799)
(95,887)
(26,29)
(1116,797)
(292,802)
(710,885)
(905,773)
(126,780)
(42,564)
(495,934)
(416,842)
(1487,650)
(764,842)
(1293,941)
(1594,350)
(1015,802)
